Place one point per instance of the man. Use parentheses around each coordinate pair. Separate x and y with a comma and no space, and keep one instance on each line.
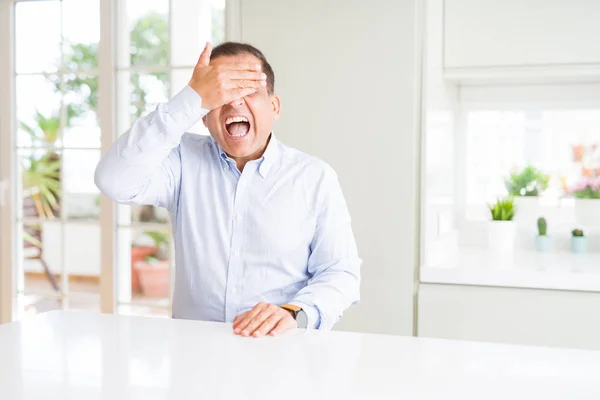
(262,232)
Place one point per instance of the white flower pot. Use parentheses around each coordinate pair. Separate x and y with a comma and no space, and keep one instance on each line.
(587,211)
(501,236)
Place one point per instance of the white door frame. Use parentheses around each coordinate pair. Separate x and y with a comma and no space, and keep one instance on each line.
(7,111)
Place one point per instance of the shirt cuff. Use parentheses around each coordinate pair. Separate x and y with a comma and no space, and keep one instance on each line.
(312,314)
(185,108)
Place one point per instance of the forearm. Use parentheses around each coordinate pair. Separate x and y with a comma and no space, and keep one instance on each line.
(126,171)
(330,293)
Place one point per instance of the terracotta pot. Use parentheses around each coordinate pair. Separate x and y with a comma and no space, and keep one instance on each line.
(578,152)
(154,278)
(139,253)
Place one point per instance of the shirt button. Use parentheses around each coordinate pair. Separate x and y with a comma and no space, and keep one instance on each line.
(237,254)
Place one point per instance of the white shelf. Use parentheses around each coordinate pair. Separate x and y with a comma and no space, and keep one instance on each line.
(524,269)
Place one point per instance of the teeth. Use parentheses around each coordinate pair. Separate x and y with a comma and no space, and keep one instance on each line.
(231,120)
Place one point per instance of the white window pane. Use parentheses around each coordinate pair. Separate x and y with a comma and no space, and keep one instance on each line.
(194,23)
(37,116)
(81,33)
(143,33)
(37,36)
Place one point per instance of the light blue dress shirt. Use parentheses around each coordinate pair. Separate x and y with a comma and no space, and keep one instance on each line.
(278,232)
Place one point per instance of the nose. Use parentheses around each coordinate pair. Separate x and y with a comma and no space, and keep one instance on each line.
(237,102)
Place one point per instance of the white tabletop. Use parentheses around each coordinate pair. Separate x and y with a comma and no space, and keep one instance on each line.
(62,355)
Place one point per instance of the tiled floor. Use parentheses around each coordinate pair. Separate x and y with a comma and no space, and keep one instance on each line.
(40,297)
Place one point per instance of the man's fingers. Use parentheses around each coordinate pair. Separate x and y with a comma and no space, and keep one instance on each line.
(258,320)
(243,84)
(239,318)
(283,326)
(247,75)
(235,94)
(242,66)
(243,323)
(205,56)
(266,327)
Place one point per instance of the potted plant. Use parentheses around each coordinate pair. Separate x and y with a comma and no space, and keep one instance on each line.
(153,271)
(501,230)
(587,206)
(525,186)
(578,241)
(139,252)
(543,242)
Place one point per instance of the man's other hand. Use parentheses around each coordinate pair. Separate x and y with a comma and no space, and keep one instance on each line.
(264,319)
(222,84)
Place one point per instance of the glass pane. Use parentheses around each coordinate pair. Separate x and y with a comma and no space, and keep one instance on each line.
(38,116)
(141,92)
(41,259)
(81,196)
(143,266)
(39,172)
(82,259)
(81,32)
(195,23)
(82,125)
(37,36)
(143,34)
(180,78)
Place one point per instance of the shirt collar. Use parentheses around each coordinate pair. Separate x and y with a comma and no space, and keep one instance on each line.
(269,157)
(266,162)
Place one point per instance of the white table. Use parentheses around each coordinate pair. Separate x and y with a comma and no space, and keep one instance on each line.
(67,355)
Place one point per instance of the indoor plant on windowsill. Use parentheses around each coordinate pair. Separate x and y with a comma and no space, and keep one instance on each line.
(501,229)
(578,241)
(587,204)
(153,271)
(543,242)
(525,186)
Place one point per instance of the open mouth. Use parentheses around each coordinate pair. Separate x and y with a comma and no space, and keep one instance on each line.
(237,127)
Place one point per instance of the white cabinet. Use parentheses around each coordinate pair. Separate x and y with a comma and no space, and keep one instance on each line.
(545,36)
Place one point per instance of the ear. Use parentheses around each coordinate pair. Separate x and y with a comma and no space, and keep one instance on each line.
(276,103)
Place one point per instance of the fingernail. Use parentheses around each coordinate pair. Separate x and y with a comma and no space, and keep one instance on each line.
(256,334)
(258,66)
(273,333)
(263,76)
(237,330)
(245,333)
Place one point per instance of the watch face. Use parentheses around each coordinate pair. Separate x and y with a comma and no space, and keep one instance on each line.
(302,319)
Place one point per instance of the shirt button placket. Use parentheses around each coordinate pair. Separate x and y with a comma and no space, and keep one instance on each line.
(235,256)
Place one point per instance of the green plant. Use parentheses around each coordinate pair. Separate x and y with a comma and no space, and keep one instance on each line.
(577,232)
(503,209)
(530,181)
(158,237)
(41,179)
(542,226)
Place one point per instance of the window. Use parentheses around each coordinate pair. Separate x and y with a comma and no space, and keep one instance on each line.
(57,142)
(536,151)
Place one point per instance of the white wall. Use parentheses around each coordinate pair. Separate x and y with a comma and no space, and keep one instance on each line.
(347,74)
(521,316)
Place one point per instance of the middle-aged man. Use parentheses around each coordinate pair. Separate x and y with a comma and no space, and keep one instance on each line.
(262,231)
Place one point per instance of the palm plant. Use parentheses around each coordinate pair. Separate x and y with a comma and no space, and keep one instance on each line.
(41,178)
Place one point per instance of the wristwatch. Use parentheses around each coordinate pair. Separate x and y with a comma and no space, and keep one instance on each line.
(299,315)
